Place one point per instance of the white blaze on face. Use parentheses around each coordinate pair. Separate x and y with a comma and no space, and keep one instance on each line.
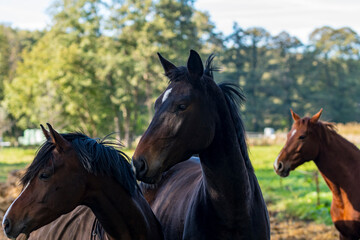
(7,212)
(276,161)
(166,95)
(293,133)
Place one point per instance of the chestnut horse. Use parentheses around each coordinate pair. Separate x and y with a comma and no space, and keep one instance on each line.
(71,170)
(219,198)
(338,161)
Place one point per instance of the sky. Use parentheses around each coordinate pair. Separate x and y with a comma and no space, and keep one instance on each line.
(297,17)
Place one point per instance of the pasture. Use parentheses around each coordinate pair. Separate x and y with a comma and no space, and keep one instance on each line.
(294,197)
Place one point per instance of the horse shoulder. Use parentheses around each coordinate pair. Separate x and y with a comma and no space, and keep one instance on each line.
(71,226)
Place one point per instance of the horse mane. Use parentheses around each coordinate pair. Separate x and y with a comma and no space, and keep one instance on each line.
(327,130)
(98,157)
(234,97)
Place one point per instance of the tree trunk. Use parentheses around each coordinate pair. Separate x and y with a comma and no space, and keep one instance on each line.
(117,124)
(127,126)
(148,92)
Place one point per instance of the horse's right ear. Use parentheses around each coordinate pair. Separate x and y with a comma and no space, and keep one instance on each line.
(168,66)
(316,116)
(195,65)
(59,141)
(45,132)
(294,115)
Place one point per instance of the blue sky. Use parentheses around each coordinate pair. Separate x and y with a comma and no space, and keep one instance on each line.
(298,17)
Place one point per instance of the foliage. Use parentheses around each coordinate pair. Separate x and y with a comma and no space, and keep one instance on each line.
(95,69)
(278,73)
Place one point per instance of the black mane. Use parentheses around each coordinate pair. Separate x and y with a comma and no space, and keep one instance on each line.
(99,157)
(234,97)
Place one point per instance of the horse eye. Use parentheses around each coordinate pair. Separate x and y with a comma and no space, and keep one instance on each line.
(302,137)
(182,107)
(44,176)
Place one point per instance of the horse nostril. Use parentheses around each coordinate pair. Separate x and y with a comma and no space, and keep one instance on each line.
(141,167)
(280,166)
(7,225)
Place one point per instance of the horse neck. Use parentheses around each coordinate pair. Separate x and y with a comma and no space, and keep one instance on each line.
(224,170)
(339,163)
(122,216)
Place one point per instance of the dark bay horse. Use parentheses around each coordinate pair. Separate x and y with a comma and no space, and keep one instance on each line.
(71,170)
(219,198)
(338,161)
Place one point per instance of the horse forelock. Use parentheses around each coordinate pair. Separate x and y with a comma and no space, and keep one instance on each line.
(181,73)
(42,158)
(178,74)
(99,157)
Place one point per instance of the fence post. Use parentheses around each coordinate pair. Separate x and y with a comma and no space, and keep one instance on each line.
(316,177)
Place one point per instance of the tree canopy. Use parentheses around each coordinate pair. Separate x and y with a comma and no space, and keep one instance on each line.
(95,69)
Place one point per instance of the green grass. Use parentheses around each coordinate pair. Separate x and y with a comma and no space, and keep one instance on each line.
(291,197)
(14,158)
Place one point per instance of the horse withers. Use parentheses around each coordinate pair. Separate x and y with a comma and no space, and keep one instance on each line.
(71,170)
(338,161)
(216,196)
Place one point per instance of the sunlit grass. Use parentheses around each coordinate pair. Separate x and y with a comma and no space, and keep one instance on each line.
(14,158)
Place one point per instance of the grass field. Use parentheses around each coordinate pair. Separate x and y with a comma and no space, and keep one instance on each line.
(14,158)
(291,197)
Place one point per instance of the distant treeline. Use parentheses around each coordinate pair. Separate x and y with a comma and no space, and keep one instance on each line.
(95,68)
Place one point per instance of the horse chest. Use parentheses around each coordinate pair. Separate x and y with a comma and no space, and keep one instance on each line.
(345,218)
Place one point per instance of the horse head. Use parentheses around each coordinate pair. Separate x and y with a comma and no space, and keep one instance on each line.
(302,145)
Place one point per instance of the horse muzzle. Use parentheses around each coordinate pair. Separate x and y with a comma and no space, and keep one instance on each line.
(281,169)
(13,230)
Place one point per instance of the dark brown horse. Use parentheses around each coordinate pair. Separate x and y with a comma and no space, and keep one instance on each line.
(219,198)
(338,161)
(71,170)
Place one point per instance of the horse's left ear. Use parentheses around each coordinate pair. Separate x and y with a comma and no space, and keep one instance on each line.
(60,143)
(195,65)
(45,132)
(167,65)
(316,117)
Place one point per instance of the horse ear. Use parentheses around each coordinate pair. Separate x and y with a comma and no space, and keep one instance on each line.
(316,117)
(45,132)
(195,65)
(168,66)
(294,115)
(59,141)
